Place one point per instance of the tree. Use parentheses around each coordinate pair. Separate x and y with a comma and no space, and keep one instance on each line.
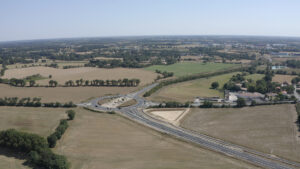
(240,102)
(52,140)
(214,85)
(87,82)
(207,104)
(251,88)
(31,83)
(71,114)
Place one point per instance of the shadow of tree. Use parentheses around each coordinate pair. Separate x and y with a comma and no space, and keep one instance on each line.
(16,155)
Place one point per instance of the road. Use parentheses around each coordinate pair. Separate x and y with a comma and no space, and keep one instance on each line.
(135,112)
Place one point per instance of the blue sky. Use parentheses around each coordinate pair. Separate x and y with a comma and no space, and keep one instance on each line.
(40,19)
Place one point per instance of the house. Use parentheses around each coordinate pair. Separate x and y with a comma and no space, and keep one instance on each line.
(284,84)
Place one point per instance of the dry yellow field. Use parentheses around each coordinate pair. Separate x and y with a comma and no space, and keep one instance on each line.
(41,121)
(270,129)
(102,141)
(283,78)
(62,94)
(86,73)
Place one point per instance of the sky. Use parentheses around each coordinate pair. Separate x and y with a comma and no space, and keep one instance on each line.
(43,19)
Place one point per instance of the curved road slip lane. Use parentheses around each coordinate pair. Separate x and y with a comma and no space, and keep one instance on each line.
(245,154)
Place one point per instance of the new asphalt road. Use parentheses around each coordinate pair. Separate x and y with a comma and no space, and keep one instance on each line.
(135,112)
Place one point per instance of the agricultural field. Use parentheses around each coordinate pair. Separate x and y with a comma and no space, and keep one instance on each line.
(86,73)
(255,77)
(269,129)
(62,94)
(283,78)
(188,68)
(187,91)
(100,140)
(41,121)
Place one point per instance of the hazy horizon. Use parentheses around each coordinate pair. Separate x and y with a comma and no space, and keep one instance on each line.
(37,20)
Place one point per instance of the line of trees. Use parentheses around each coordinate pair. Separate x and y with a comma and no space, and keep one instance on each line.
(187,78)
(172,104)
(60,130)
(32,102)
(35,148)
(165,74)
(4,68)
(70,83)
(121,82)
(298,113)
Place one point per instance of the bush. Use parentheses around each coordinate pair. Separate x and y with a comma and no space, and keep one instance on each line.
(214,85)
(207,104)
(241,102)
(71,114)
(59,131)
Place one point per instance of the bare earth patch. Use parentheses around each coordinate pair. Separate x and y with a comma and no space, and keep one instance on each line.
(172,116)
(104,141)
(86,73)
(270,129)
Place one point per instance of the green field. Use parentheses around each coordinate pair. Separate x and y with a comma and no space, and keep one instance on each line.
(188,68)
(187,91)
(254,77)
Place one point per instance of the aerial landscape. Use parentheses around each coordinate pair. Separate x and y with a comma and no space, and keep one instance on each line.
(141,85)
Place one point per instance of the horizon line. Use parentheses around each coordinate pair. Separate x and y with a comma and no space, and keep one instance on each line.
(128,36)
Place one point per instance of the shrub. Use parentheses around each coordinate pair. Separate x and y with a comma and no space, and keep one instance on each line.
(71,114)
(240,102)
(214,85)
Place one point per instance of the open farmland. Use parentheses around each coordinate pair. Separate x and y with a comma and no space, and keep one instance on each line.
(62,94)
(283,78)
(86,73)
(269,129)
(98,140)
(187,91)
(188,68)
(254,77)
(41,121)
